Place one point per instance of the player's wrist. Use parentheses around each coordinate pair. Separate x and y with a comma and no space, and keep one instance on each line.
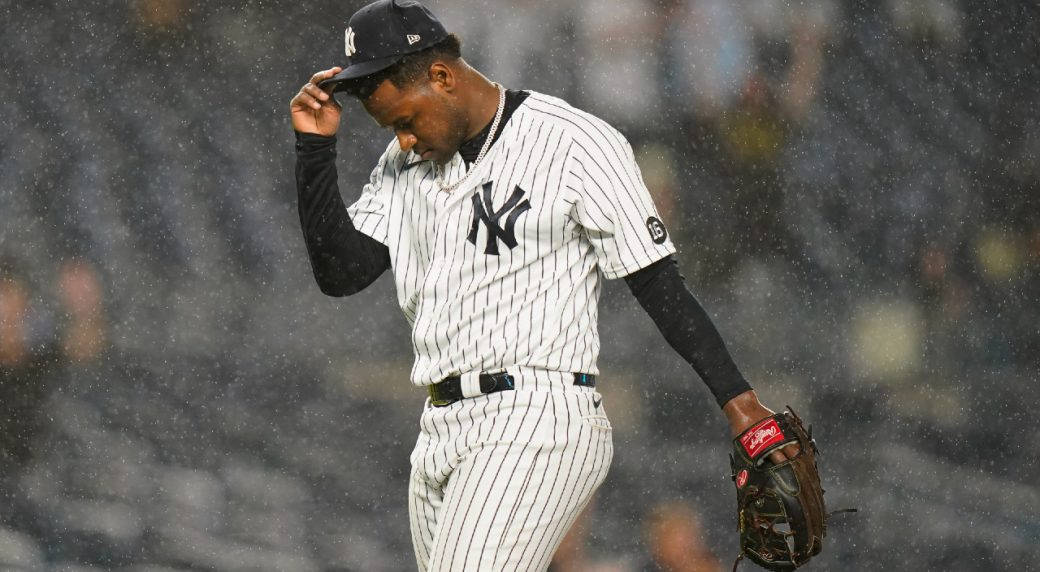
(307,143)
(309,136)
(744,410)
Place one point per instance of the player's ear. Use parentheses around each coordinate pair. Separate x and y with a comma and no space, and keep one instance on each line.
(442,76)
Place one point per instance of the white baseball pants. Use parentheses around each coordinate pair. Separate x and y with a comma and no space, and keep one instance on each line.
(498,479)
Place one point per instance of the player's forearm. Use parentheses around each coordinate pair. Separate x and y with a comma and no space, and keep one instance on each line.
(686,327)
(343,259)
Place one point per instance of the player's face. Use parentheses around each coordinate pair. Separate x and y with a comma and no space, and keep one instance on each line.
(424,118)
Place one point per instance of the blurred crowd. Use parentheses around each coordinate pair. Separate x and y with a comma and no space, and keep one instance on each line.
(854,189)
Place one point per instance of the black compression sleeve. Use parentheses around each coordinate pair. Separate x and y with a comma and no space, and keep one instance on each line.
(344,260)
(662,292)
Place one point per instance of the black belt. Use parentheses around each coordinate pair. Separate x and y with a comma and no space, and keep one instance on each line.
(449,390)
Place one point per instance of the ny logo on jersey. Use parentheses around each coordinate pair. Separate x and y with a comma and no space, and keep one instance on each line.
(483,210)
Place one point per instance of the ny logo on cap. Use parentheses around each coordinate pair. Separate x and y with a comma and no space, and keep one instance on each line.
(412,38)
(349,41)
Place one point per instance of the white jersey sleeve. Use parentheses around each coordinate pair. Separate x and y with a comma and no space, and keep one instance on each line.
(612,203)
(370,213)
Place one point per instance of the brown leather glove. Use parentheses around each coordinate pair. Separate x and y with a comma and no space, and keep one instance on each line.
(780,511)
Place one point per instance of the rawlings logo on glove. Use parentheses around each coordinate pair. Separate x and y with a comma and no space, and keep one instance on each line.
(761,436)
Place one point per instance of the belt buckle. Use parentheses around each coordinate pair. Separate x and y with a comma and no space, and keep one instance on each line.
(433,398)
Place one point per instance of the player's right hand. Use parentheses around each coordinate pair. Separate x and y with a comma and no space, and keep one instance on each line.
(314,110)
(745,410)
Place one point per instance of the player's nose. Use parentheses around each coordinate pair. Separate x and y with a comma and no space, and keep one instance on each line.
(406,141)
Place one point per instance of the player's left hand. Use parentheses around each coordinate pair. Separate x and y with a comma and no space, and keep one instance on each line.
(745,410)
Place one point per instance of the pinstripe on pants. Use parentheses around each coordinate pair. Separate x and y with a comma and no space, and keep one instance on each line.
(498,479)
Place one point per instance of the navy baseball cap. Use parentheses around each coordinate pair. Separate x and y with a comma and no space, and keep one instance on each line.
(382,33)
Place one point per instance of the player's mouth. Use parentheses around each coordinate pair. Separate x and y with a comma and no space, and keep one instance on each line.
(426,155)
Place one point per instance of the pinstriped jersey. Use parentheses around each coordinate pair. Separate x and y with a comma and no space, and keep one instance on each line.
(506,269)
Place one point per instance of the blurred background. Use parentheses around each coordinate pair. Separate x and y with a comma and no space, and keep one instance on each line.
(853,186)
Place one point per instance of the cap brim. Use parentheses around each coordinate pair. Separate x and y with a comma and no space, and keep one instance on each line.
(358,70)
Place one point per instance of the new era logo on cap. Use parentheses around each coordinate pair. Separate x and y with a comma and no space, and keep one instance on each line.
(412,38)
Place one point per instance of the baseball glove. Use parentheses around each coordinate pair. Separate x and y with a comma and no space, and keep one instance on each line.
(780,511)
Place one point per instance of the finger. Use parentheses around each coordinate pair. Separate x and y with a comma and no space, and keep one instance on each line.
(784,453)
(316,92)
(304,99)
(326,74)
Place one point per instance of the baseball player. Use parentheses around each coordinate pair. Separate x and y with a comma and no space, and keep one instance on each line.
(499,212)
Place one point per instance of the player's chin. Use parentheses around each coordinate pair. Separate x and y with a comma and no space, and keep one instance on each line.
(437,157)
